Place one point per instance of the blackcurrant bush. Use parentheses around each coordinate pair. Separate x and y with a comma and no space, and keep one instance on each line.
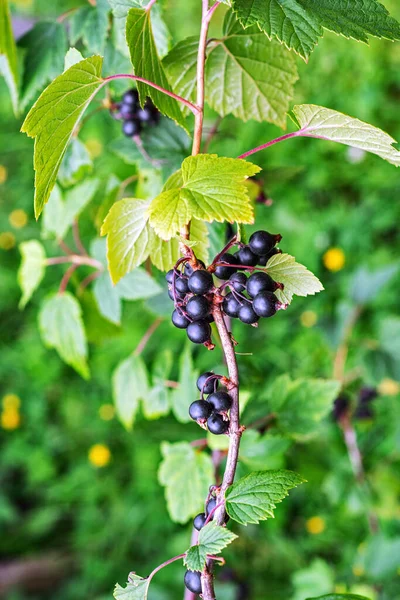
(231,305)
(262,261)
(261,242)
(192,581)
(131,98)
(217,425)
(247,314)
(170,276)
(199,332)
(181,284)
(211,504)
(199,521)
(200,410)
(264,304)
(200,282)
(131,127)
(220,401)
(258,282)
(198,307)
(188,270)
(179,319)
(238,281)
(223,272)
(207,387)
(246,257)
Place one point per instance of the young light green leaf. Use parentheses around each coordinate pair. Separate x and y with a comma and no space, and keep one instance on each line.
(187,381)
(156,404)
(263,71)
(253,498)
(8,54)
(296,279)
(31,270)
(61,328)
(340,597)
(324,123)
(212,540)
(180,66)
(130,385)
(72,57)
(209,188)
(90,23)
(147,64)
(75,165)
(53,118)
(186,475)
(136,589)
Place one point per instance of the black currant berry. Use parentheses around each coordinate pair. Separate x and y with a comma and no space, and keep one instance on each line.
(178,295)
(340,407)
(200,410)
(217,425)
(261,242)
(188,270)
(126,111)
(199,332)
(210,318)
(131,98)
(200,282)
(259,282)
(181,284)
(247,314)
(131,127)
(220,401)
(264,304)
(238,281)
(207,387)
(179,319)
(262,261)
(246,257)
(170,276)
(231,305)
(223,272)
(211,504)
(144,114)
(199,521)
(192,581)
(198,307)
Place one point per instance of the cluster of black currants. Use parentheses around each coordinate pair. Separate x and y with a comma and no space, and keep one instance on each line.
(363,409)
(211,413)
(133,116)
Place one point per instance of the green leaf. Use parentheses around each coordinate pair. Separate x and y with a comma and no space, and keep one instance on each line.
(324,123)
(147,64)
(340,597)
(249,76)
(90,23)
(187,383)
(283,268)
(366,284)
(186,475)
(53,118)
(76,164)
(45,47)
(209,188)
(8,54)
(72,57)
(130,385)
(181,66)
(31,270)
(156,404)
(253,498)
(212,540)
(61,328)
(136,589)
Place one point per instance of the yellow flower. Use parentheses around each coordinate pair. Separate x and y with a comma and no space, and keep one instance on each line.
(11,401)
(308,318)
(315,525)
(106,412)
(389,387)
(10,419)
(99,455)
(7,240)
(334,259)
(94,147)
(18,218)
(358,570)
(3,174)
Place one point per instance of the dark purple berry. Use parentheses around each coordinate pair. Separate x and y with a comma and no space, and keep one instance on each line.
(170,276)
(262,261)
(200,410)
(200,282)
(199,521)
(264,304)
(198,307)
(188,270)
(246,257)
(192,581)
(340,407)
(231,305)
(259,282)
(199,332)
(179,319)
(144,115)
(131,98)
(217,425)
(367,394)
(223,272)
(247,314)
(238,281)
(211,504)
(181,284)
(178,295)
(364,411)
(131,127)
(207,385)
(127,112)
(220,401)
(261,242)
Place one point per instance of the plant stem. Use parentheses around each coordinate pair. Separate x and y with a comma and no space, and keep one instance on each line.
(77,238)
(150,4)
(143,342)
(75,259)
(287,136)
(66,277)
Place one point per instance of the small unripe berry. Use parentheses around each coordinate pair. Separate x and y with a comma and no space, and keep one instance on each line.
(205,384)
(217,425)
(192,581)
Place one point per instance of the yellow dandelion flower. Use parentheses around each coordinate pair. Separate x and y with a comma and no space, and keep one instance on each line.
(358,570)
(334,259)
(315,525)
(18,218)
(7,240)
(3,174)
(99,455)
(11,401)
(10,419)
(308,318)
(106,412)
(94,147)
(389,387)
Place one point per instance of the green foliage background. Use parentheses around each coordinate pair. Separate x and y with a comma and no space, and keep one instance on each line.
(105,522)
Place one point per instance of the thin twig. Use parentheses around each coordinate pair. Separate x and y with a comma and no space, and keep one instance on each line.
(143,342)
(287,136)
(339,362)
(125,184)
(64,247)
(88,280)
(66,277)
(75,259)
(150,4)
(77,238)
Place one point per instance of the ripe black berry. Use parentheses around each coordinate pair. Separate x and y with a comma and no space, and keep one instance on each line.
(246,257)
(207,387)
(261,242)
(131,127)
(247,314)
(192,581)
(170,276)
(131,98)
(258,282)
(223,272)
(231,305)
(198,307)
(200,410)
(188,270)
(262,261)
(126,111)
(181,284)
(178,295)
(200,282)
(264,304)
(179,319)
(199,521)
(220,401)
(238,281)
(217,425)
(199,332)
(211,504)
(144,114)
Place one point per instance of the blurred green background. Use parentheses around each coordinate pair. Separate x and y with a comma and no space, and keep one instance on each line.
(80,494)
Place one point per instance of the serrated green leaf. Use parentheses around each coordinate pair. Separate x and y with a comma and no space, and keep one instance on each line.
(75,165)
(186,475)
(195,558)
(249,76)
(45,47)
(212,540)
(187,382)
(130,385)
(136,589)
(72,57)
(90,24)
(324,123)
(31,270)
(180,66)
(8,54)
(147,64)
(61,328)
(298,280)
(208,188)
(253,498)
(53,118)
(340,597)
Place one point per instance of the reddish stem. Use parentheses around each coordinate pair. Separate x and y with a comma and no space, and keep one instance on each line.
(67,276)
(287,136)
